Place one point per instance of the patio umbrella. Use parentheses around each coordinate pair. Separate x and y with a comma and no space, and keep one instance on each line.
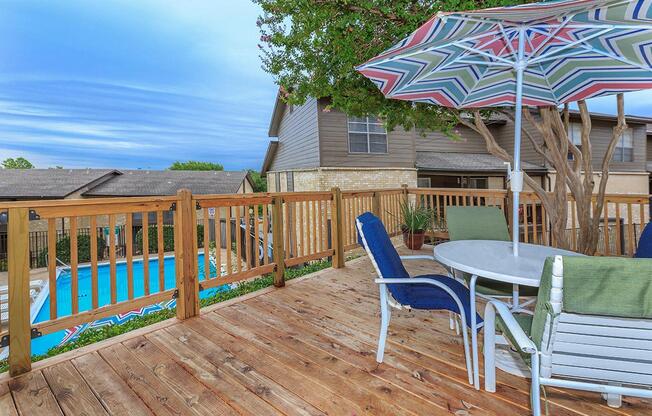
(536,54)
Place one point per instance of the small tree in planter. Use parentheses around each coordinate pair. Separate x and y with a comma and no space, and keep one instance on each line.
(415,221)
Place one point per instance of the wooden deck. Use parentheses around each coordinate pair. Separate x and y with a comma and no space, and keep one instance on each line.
(307,349)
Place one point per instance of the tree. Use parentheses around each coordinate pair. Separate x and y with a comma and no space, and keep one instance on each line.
(258,181)
(195,165)
(17,163)
(311,47)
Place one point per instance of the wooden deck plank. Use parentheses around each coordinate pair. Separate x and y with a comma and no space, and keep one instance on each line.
(195,394)
(71,391)
(33,396)
(230,391)
(158,396)
(7,406)
(283,400)
(114,394)
(287,373)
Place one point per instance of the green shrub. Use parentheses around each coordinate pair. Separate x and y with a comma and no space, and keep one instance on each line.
(83,250)
(3,265)
(168,238)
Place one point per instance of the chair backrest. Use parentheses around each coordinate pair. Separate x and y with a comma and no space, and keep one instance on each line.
(374,238)
(644,250)
(597,319)
(476,223)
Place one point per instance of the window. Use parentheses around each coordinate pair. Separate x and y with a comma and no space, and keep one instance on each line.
(478,183)
(290,181)
(575,136)
(367,135)
(423,182)
(625,147)
(277,182)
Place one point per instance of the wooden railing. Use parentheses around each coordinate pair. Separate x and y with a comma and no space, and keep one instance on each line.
(243,236)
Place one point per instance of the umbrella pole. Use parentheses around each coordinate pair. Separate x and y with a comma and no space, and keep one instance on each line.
(516,176)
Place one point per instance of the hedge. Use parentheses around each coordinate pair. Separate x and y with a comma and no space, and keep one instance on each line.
(83,250)
(168,238)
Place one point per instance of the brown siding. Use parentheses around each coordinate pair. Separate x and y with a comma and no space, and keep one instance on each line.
(649,148)
(469,142)
(505,138)
(298,138)
(334,144)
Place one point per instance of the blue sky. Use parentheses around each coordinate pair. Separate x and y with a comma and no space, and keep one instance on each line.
(141,83)
(132,84)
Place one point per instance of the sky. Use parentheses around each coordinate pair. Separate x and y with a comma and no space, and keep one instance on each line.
(132,84)
(142,83)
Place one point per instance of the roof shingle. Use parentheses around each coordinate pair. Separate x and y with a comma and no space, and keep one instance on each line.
(467,162)
(48,183)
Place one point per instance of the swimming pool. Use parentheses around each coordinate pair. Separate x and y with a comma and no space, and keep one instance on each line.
(64,305)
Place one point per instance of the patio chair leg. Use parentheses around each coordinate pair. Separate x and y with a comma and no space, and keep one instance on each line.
(474,335)
(451,320)
(490,348)
(385,315)
(613,400)
(535,389)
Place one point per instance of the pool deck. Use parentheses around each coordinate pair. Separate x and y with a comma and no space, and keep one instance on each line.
(306,349)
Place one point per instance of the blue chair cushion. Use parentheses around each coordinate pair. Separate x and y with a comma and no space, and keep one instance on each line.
(381,247)
(425,296)
(644,250)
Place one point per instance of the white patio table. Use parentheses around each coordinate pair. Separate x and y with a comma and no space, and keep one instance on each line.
(495,260)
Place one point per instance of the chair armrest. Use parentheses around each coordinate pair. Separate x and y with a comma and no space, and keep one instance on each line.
(418,257)
(525,344)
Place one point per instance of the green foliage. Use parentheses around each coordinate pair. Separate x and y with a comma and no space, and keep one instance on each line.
(17,163)
(195,165)
(3,265)
(415,219)
(258,181)
(312,47)
(242,288)
(168,238)
(63,249)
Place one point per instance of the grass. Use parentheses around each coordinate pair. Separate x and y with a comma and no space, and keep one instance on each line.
(92,336)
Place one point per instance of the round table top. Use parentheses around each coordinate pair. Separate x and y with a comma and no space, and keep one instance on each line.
(495,260)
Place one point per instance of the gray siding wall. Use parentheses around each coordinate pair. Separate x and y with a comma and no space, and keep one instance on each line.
(505,138)
(469,142)
(298,138)
(334,144)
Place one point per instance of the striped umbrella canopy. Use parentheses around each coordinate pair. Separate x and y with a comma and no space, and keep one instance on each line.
(536,54)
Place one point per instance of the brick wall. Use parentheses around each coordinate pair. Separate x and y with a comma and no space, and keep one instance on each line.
(323,179)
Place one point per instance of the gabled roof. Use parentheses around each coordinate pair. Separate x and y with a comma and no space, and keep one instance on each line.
(467,162)
(277,114)
(168,182)
(49,183)
(269,156)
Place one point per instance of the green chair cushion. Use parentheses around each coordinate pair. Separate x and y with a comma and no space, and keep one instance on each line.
(490,287)
(476,223)
(524,320)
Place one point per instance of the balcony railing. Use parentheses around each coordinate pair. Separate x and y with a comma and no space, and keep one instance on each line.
(242,236)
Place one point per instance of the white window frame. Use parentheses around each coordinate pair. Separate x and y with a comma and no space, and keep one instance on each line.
(576,139)
(367,123)
(619,154)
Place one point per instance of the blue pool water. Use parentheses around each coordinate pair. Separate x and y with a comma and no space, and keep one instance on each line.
(64,305)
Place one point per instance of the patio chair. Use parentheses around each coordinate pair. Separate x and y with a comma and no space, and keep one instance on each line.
(399,290)
(591,330)
(644,250)
(483,223)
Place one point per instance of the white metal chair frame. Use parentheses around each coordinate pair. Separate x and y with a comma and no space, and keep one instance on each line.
(543,369)
(387,302)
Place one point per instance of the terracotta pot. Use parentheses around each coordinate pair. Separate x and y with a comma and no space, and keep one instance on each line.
(414,241)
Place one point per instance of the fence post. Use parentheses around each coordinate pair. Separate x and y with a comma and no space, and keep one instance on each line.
(404,188)
(277,241)
(20,341)
(376,204)
(185,248)
(337,229)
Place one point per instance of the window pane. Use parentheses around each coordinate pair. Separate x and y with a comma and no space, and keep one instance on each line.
(378,143)
(376,128)
(357,127)
(423,182)
(358,119)
(575,133)
(627,140)
(373,119)
(628,154)
(358,143)
(290,181)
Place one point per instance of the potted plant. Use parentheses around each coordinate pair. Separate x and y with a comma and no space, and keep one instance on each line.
(415,222)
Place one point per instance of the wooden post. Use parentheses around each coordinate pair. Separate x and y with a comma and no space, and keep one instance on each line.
(337,230)
(277,241)
(375,204)
(186,257)
(406,200)
(20,341)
